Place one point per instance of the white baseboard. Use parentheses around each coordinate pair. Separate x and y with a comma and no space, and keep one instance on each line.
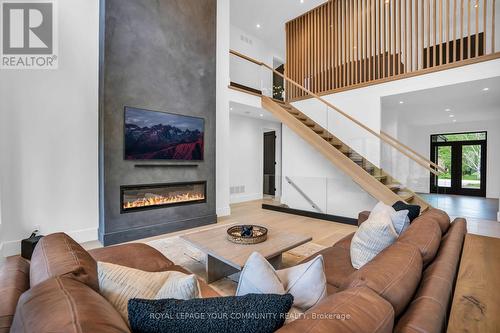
(237,198)
(12,248)
(2,257)
(223,211)
(84,235)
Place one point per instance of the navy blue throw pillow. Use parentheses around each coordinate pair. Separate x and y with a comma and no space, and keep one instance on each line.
(413,210)
(250,313)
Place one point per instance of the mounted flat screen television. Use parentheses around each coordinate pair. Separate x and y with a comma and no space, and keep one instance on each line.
(154,135)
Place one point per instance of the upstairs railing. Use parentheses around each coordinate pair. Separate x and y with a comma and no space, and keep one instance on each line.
(345,44)
(368,142)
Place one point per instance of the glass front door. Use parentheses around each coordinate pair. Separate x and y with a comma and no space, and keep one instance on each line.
(444,161)
(471,167)
(463,156)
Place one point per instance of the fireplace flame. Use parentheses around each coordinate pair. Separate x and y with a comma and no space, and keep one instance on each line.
(159,200)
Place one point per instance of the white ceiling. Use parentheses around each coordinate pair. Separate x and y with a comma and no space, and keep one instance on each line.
(271,15)
(250,111)
(467,102)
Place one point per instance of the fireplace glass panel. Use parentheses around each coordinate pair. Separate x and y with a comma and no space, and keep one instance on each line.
(144,197)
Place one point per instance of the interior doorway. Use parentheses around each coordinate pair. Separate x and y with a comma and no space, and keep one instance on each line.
(463,156)
(270,163)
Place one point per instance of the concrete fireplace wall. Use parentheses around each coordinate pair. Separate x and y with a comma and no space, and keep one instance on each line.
(157,55)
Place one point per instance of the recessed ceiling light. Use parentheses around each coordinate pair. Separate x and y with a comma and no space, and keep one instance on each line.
(447,110)
(258,26)
(486,89)
(301,1)
(261,115)
(454,120)
(231,109)
(452,116)
(401,102)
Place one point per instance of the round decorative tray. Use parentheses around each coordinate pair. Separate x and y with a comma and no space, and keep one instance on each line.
(247,234)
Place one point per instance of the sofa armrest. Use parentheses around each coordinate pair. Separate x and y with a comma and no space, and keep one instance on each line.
(133,255)
(363,216)
(14,280)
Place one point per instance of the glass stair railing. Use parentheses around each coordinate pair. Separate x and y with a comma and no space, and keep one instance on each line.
(383,167)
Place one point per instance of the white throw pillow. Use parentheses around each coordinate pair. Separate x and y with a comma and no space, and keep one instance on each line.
(373,236)
(399,219)
(118,284)
(305,282)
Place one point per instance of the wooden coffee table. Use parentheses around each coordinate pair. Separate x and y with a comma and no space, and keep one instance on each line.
(225,258)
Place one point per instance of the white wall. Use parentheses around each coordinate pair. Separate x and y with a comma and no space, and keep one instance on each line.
(418,137)
(222,104)
(326,186)
(246,73)
(247,156)
(2,258)
(49,136)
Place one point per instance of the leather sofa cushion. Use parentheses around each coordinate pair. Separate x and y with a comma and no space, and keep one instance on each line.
(345,242)
(394,274)
(427,312)
(367,313)
(14,280)
(363,216)
(59,255)
(63,304)
(338,265)
(440,217)
(133,255)
(424,234)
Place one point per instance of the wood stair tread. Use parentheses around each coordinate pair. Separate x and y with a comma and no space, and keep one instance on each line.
(406,196)
(394,187)
(358,159)
(425,208)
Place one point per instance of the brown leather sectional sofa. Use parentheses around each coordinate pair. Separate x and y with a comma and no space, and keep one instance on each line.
(406,288)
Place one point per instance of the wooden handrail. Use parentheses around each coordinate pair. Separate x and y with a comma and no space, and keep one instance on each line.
(241,55)
(354,120)
(436,166)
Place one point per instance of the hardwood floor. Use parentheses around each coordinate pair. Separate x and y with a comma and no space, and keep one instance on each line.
(322,232)
(481,213)
(466,206)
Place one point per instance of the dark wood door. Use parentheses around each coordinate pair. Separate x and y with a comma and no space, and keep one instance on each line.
(270,163)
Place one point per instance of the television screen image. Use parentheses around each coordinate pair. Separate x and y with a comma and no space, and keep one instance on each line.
(154,135)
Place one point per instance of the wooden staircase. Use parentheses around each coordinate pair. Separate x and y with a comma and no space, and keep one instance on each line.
(372,179)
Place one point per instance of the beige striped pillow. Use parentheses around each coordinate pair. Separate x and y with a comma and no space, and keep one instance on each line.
(118,284)
(373,236)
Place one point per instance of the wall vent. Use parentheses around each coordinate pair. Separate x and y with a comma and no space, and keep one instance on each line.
(237,189)
(246,39)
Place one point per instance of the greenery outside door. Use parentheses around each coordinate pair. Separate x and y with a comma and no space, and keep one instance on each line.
(463,155)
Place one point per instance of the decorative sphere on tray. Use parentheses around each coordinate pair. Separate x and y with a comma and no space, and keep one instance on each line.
(247,234)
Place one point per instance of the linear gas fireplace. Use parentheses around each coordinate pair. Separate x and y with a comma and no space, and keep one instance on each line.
(145,197)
